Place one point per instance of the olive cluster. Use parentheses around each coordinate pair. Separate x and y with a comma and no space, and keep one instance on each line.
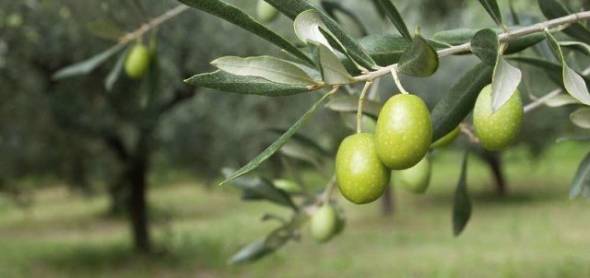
(402,139)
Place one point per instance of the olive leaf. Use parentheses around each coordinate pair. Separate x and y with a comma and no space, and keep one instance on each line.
(581,117)
(251,252)
(493,10)
(333,72)
(394,16)
(561,100)
(275,146)
(292,8)
(332,6)
(581,182)
(574,83)
(267,67)
(115,72)
(307,28)
(455,36)
(385,49)
(513,14)
(505,81)
(87,66)
(462,202)
(419,60)
(249,85)
(257,188)
(579,46)
(553,9)
(458,102)
(484,45)
(234,15)
(349,104)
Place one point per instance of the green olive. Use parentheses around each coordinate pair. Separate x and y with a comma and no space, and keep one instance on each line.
(415,179)
(447,139)
(360,174)
(137,61)
(287,185)
(324,223)
(497,130)
(404,131)
(266,12)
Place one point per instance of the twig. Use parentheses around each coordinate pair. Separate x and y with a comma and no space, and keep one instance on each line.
(466,129)
(153,23)
(359,110)
(540,101)
(397,81)
(328,191)
(503,37)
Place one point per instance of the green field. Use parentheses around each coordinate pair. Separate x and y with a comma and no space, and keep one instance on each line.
(535,232)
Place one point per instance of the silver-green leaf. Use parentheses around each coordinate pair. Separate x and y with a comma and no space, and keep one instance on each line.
(581,117)
(419,60)
(276,145)
(267,67)
(333,72)
(505,81)
(581,182)
(87,66)
(462,202)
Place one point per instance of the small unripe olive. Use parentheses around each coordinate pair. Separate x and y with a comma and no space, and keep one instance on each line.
(266,12)
(324,223)
(137,61)
(447,139)
(360,174)
(287,185)
(404,131)
(415,179)
(497,130)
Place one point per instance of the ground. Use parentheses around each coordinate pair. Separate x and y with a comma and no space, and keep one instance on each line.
(536,232)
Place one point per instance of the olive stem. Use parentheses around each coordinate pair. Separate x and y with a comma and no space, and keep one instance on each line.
(359,110)
(466,129)
(329,190)
(397,81)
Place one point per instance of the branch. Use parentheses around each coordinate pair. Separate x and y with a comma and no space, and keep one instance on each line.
(153,23)
(540,101)
(503,37)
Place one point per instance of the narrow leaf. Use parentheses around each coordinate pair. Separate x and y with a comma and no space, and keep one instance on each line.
(419,60)
(462,202)
(513,14)
(493,10)
(268,152)
(292,8)
(561,100)
(458,102)
(223,81)
(234,15)
(581,180)
(573,83)
(554,70)
(553,9)
(333,72)
(485,46)
(332,6)
(115,72)
(267,67)
(256,188)
(505,81)
(394,16)
(581,117)
(251,252)
(464,35)
(87,66)
(349,104)
(579,46)
(385,49)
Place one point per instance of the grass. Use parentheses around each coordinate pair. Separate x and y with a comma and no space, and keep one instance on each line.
(536,232)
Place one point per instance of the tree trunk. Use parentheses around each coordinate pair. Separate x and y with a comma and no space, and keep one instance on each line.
(387,201)
(138,212)
(494,161)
